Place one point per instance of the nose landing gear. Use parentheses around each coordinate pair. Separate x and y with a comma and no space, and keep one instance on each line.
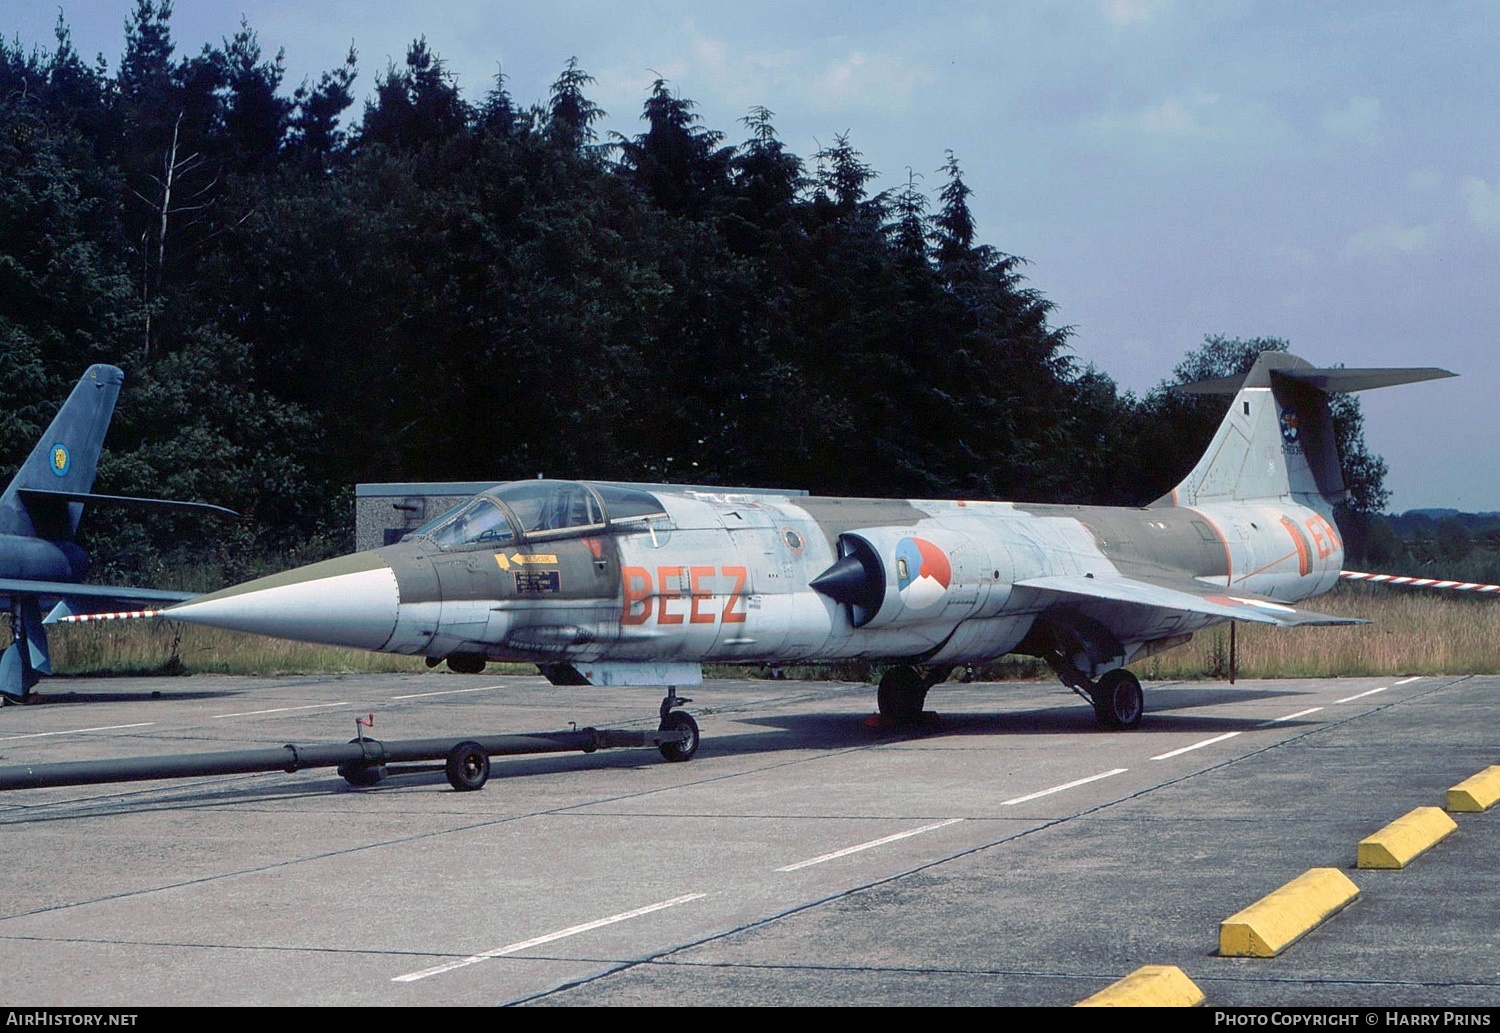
(673,720)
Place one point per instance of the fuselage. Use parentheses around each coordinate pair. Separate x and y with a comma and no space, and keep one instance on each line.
(548,572)
(25,557)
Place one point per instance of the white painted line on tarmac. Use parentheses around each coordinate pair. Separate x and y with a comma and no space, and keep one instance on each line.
(866,846)
(283,710)
(448,692)
(1408,681)
(76,731)
(1361,695)
(1290,717)
(1067,785)
(512,948)
(1196,746)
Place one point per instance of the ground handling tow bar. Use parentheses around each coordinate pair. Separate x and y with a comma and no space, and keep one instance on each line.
(364,761)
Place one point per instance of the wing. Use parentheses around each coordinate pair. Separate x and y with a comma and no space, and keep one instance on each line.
(1184,594)
(73,599)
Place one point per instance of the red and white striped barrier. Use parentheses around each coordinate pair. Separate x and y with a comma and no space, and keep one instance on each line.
(1417,582)
(79,618)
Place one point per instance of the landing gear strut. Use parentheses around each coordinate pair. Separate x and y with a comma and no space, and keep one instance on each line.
(1116,697)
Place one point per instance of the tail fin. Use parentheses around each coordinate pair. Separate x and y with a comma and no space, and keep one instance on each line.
(1277,440)
(65,460)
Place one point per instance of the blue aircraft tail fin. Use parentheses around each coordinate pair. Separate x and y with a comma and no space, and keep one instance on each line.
(65,460)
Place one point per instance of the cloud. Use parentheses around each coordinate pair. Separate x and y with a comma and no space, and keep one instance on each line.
(1483,202)
(1358,120)
(1390,241)
(1424,180)
(858,80)
(1121,13)
(1191,117)
(1203,124)
(825,75)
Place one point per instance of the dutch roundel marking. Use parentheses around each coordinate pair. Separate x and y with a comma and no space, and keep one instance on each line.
(923,572)
(61,459)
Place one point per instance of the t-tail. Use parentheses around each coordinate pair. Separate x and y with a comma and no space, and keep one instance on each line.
(39,513)
(1277,440)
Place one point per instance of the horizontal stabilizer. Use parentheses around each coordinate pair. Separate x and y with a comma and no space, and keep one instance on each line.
(1327,379)
(32,496)
(86,598)
(1185,596)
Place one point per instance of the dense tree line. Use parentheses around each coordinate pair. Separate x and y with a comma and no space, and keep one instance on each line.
(304,295)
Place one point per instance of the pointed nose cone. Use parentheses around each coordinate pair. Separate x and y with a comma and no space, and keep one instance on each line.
(349,601)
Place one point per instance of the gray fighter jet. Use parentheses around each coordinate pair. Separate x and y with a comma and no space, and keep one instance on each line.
(608,584)
(39,512)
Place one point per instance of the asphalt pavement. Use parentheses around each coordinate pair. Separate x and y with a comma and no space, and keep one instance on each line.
(1006,853)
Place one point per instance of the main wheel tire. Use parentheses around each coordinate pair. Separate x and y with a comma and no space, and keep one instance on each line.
(901,694)
(677,752)
(466,663)
(467,767)
(1118,700)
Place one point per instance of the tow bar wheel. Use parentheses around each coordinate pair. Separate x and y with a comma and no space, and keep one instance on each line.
(467,767)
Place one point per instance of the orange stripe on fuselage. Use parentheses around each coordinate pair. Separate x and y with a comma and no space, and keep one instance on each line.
(1304,557)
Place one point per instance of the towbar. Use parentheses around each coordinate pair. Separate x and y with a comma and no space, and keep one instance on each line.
(362,762)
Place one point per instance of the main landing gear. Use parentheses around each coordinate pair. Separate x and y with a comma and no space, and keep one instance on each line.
(1118,700)
(1116,697)
(903,691)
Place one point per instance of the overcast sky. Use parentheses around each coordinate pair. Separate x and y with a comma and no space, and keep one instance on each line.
(1328,173)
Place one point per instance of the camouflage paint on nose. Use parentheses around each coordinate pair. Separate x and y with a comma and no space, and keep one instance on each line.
(349,601)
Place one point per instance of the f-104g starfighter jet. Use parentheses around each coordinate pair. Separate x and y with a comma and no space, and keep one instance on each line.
(609,584)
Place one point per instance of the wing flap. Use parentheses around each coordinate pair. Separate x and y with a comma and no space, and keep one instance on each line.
(1187,596)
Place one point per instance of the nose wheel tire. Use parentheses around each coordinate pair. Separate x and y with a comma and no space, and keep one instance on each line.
(679,751)
(1118,700)
(467,767)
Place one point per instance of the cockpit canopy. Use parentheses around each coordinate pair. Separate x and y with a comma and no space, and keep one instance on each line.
(539,509)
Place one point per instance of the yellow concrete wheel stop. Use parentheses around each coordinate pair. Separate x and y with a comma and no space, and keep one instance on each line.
(1477,793)
(1150,986)
(1404,839)
(1281,918)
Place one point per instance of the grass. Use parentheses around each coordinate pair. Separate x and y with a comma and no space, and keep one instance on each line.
(163,647)
(1411,632)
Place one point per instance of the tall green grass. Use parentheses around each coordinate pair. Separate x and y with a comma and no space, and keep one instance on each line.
(163,647)
(1410,632)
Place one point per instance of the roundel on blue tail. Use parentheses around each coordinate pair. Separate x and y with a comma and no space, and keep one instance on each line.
(62,459)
